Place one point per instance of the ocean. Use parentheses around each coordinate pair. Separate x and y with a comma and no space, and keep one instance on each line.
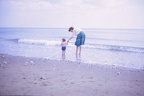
(116,47)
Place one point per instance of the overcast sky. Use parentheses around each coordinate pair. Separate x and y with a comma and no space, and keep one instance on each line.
(65,13)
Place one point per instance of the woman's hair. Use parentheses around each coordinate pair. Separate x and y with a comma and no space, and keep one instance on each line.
(63,39)
(70,29)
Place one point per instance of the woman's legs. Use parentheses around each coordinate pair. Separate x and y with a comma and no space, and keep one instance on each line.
(78,50)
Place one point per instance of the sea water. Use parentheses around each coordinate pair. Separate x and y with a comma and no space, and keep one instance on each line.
(117,47)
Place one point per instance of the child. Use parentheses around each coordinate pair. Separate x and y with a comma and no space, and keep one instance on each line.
(63,48)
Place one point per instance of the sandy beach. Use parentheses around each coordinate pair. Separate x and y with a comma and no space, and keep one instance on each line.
(39,76)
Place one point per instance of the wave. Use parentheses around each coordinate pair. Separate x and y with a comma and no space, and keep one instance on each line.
(87,45)
(39,42)
(115,48)
(106,39)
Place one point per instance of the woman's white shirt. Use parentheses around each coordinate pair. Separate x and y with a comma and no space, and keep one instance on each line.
(76,31)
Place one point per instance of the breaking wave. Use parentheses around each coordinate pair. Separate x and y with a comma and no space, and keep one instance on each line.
(87,45)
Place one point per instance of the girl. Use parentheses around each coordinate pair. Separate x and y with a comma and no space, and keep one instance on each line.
(63,48)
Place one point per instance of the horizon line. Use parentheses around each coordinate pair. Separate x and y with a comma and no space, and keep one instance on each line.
(68,27)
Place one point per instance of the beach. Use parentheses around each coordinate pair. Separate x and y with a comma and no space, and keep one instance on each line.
(21,75)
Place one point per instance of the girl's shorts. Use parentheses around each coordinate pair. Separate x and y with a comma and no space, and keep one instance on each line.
(63,48)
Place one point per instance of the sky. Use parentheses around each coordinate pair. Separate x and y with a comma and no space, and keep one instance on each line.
(65,13)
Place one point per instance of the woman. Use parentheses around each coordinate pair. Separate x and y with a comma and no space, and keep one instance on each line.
(80,39)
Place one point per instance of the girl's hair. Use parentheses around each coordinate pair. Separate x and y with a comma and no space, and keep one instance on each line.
(70,29)
(63,39)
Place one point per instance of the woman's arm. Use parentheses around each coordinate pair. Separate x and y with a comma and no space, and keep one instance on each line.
(71,37)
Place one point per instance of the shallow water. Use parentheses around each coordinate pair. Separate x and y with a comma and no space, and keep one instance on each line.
(119,47)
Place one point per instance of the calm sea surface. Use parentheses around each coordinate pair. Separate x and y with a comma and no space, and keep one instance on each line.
(119,47)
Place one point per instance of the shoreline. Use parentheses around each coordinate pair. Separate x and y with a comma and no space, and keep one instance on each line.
(21,75)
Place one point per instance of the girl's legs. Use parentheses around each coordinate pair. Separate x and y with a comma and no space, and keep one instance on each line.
(63,54)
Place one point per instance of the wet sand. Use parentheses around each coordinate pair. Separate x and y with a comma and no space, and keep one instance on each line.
(39,76)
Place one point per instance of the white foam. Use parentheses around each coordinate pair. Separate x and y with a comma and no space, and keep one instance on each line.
(96,46)
(43,42)
(39,42)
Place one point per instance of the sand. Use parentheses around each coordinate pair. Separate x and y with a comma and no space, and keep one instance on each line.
(39,76)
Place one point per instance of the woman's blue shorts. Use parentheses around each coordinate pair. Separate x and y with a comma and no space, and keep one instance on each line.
(80,40)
